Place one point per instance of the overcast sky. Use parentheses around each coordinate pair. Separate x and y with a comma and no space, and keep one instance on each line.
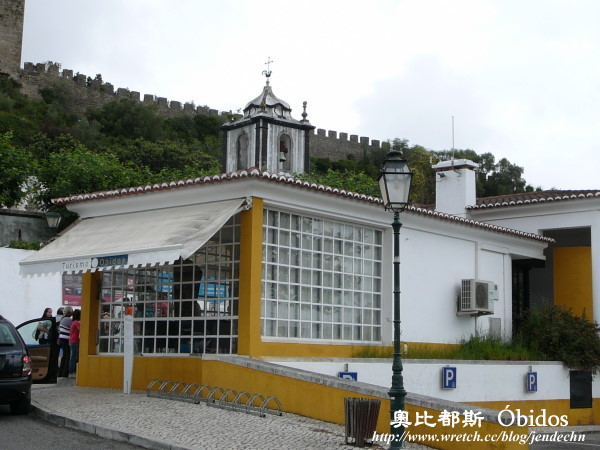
(520,77)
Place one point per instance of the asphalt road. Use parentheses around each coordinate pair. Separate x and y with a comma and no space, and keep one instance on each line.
(30,432)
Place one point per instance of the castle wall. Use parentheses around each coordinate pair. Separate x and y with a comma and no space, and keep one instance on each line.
(11,35)
(93,93)
(335,146)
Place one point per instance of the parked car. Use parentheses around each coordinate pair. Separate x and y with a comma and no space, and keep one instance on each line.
(23,361)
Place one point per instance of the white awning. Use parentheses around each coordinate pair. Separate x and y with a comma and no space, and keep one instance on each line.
(133,239)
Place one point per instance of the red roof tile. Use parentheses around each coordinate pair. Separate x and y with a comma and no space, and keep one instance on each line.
(282,178)
(528,198)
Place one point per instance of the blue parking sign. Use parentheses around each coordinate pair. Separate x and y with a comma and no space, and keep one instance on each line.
(448,377)
(348,375)
(531,381)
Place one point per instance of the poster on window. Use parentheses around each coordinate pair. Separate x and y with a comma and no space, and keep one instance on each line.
(71,292)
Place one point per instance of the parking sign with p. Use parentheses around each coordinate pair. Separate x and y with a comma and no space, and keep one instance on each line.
(448,377)
(531,381)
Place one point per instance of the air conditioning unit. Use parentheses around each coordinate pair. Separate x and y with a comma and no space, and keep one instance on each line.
(477,297)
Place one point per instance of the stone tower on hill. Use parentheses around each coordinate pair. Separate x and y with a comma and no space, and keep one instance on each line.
(11,35)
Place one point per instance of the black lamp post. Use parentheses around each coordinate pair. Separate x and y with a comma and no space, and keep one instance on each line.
(394,182)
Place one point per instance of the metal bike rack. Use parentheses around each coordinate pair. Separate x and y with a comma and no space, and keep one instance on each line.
(187,396)
(161,392)
(149,391)
(264,408)
(211,396)
(222,401)
(198,394)
(174,394)
(215,396)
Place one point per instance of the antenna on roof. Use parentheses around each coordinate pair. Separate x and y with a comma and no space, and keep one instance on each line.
(452,138)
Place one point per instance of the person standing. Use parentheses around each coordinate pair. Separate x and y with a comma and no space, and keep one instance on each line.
(64,330)
(74,341)
(42,330)
(60,313)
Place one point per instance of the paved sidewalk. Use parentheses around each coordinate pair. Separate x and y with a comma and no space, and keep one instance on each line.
(167,424)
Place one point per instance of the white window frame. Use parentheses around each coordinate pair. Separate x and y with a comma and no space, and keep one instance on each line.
(321,280)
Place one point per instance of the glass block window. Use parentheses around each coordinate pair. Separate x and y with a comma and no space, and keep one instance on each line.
(187,307)
(321,279)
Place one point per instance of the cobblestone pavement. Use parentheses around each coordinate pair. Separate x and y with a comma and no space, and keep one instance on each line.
(161,423)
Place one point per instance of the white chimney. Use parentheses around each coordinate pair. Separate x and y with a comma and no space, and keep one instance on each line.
(455,186)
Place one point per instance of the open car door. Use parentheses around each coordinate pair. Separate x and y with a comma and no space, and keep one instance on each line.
(43,352)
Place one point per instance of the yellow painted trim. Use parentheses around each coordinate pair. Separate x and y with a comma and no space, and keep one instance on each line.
(573,279)
(89,323)
(251,237)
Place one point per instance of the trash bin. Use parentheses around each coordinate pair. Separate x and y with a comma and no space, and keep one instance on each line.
(361,419)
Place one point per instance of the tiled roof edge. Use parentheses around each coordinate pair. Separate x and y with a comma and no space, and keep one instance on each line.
(288,179)
(504,201)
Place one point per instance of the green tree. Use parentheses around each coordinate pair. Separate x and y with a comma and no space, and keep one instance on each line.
(18,114)
(349,181)
(15,168)
(129,119)
(163,154)
(493,178)
(60,116)
(561,335)
(506,179)
(79,170)
(42,146)
(422,187)
(193,127)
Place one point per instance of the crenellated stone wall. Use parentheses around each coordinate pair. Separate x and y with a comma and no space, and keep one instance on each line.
(88,92)
(335,146)
(93,93)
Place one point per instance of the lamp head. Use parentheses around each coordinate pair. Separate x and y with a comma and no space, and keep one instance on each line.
(394,182)
(53,219)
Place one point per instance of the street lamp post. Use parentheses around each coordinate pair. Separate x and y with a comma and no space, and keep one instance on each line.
(394,182)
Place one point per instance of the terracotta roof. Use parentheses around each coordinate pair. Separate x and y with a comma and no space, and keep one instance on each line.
(287,179)
(528,198)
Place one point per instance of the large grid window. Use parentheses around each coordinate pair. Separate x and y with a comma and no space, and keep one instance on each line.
(187,307)
(321,279)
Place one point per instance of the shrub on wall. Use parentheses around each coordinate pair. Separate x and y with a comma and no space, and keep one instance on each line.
(24,245)
(561,335)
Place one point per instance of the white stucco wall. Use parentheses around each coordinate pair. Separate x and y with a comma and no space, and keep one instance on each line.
(476,381)
(432,267)
(24,298)
(455,189)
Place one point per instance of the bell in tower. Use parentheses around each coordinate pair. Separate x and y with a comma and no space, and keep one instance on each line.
(267,136)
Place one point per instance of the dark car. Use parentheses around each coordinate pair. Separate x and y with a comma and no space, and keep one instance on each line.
(23,360)
(15,369)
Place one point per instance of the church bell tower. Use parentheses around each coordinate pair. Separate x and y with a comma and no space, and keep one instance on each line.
(267,137)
